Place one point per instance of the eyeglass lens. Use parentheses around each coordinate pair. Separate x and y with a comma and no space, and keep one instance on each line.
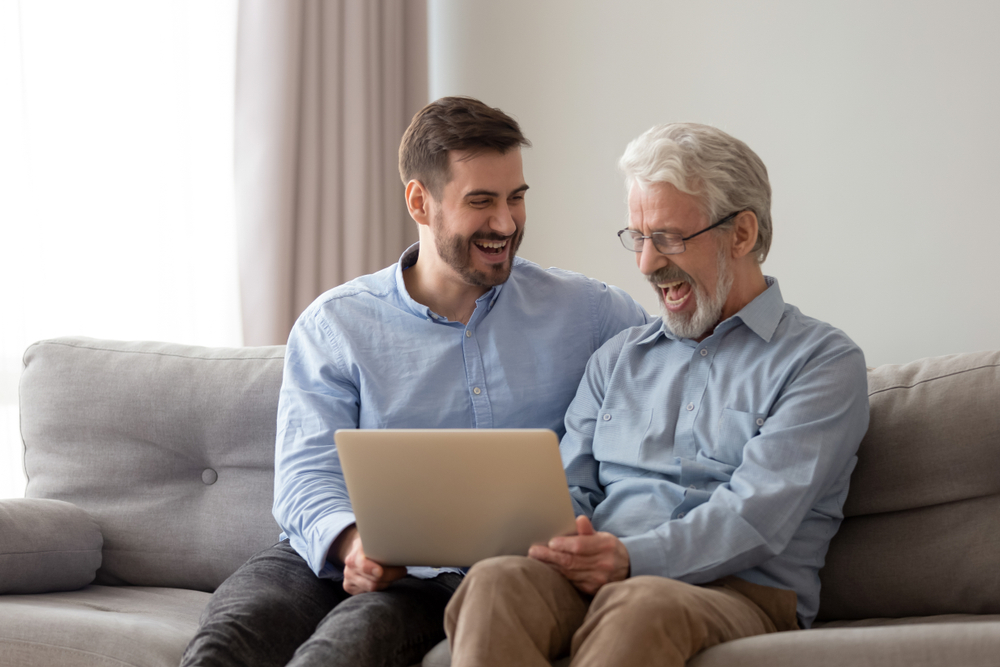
(665,243)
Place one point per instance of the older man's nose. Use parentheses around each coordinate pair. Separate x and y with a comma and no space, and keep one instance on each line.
(651,259)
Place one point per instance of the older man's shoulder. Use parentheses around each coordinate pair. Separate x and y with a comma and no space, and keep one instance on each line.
(800,329)
(627,339)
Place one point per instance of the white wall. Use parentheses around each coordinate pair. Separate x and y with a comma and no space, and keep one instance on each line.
(116,191)
(878,122)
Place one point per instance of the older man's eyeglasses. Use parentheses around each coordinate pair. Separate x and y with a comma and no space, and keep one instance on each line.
(665,242)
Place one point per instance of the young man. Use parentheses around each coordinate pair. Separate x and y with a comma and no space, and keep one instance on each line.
(459,334)
(708,454)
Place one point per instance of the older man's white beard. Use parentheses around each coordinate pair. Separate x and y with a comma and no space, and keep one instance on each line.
(709,309)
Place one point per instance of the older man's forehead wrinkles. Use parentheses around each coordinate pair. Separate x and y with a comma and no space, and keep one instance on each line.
(653,226)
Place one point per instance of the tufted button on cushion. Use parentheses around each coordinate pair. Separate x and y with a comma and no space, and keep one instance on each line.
(209,476)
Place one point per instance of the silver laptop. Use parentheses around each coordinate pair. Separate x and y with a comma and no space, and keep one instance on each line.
(452,497)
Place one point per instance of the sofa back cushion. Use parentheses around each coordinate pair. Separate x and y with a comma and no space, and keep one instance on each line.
(170,448)
(920,535)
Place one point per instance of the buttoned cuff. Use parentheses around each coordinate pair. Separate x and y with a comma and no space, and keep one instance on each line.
(315,549)
(646,555)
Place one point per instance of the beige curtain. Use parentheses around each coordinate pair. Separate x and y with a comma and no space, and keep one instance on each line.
(325,89)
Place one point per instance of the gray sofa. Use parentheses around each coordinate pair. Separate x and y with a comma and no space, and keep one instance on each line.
(149,480)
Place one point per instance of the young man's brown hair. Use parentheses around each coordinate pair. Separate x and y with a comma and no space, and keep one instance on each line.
(453,124)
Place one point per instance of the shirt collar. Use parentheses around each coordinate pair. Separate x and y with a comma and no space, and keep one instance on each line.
(408,259)
(761,316)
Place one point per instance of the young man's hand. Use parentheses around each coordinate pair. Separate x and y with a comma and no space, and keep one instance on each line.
(588,559)
(362,575)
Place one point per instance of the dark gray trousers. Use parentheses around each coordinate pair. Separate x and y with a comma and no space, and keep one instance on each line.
(274,611)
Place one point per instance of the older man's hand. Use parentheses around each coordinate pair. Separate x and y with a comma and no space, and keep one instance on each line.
(361,574)
(588,559)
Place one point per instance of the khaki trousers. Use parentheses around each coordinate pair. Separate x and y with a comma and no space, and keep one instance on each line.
(517,611)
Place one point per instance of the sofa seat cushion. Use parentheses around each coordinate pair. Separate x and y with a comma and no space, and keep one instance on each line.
(958,641)
(106,626)
(916,620)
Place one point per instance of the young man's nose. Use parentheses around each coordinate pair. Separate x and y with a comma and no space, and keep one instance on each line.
(503,222)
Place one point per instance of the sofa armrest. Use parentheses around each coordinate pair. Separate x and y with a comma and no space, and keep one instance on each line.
(46,546)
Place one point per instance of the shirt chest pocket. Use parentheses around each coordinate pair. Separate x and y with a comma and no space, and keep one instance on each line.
(736,428)
(619,434)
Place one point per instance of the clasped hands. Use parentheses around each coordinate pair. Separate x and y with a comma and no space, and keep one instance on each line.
(588,560)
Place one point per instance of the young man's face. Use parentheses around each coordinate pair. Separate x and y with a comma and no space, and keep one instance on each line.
(478,223)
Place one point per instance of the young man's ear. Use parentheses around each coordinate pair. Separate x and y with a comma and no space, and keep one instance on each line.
(744,233)
(418,202)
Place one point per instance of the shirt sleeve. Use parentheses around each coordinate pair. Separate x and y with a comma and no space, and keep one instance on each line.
(806,444)
(576,446)
(614,311)
(317,397)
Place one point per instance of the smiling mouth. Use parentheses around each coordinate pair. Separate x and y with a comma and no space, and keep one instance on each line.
(675,293)
(491,247)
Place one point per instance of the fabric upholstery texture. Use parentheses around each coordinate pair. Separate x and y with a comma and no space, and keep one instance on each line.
(46,545)
(169,447)
(959,644)
(920,534)
(99,626)
(440,656)
(167,452)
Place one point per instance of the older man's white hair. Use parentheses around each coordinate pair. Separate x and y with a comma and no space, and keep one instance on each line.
(705,162)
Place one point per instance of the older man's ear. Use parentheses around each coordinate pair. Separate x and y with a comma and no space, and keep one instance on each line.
(744,233)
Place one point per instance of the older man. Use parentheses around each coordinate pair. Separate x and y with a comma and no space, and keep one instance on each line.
(708,454)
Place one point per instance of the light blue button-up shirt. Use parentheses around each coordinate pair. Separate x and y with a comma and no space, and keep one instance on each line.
(728,456)
(366,355)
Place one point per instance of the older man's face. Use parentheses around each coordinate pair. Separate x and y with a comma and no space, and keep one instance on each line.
(692,286)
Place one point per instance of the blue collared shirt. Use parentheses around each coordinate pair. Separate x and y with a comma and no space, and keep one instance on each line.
(366,355)
(728,456)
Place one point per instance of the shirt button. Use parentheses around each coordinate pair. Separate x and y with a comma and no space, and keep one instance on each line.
(681,515)
(477,391)
(691,487)
(690,406)
(760,421)
(468,333)
(607,417)
(704,352)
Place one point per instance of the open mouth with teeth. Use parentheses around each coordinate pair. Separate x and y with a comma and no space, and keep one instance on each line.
(675,294)
(494,248)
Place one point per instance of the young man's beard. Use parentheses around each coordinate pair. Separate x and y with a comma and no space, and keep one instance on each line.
(709,307)
(455,251)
